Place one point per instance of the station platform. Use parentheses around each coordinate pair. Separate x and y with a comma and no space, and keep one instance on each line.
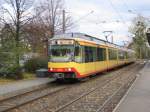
(137,99)
(19,87)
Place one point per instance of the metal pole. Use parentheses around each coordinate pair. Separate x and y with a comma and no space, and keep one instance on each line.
(112,39)
(64,24)
(106,38)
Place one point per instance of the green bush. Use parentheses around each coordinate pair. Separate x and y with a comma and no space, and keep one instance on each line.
(35,63)
(11,72)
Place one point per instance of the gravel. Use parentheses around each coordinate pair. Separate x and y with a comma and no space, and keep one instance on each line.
(108,84)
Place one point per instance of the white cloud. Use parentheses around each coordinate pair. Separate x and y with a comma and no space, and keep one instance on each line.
(103,11)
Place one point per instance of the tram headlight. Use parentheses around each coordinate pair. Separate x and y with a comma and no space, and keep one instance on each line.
(51,69)
(69,69)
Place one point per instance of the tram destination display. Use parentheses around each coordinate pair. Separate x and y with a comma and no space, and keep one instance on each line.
(62,42)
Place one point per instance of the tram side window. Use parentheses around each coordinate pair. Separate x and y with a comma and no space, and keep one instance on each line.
(126,55)
(130,55)
(89,54)
(112,54)
(121,55)
(101,54)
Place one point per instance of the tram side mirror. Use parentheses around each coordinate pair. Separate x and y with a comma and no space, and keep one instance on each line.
(148,35)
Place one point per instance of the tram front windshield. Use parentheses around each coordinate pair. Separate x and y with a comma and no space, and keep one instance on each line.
(61,53)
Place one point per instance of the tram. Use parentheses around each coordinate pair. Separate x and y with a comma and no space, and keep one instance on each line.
(77,55)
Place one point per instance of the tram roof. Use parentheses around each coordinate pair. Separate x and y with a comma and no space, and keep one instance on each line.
(89,38)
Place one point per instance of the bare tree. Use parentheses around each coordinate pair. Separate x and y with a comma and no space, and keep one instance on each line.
(5,36)
(16,13)
(47,22)
(36,35)
(52,16)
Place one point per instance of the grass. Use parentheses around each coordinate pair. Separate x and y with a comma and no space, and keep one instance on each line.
(6,81)
(27,76)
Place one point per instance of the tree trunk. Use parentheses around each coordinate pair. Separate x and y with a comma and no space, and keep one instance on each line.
(17,32)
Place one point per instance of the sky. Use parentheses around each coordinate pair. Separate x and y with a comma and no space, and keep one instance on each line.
(95,16)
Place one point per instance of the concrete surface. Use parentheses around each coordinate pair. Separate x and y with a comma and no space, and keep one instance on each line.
(22,86)
(137,98)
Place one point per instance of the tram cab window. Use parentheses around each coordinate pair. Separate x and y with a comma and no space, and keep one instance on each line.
(78,54)
(62,53)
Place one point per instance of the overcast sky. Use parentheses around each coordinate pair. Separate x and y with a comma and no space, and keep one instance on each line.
(108,15)
(114,12)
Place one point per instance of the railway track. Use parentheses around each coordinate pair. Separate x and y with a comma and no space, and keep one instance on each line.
(59,98)
(113,99)
(78,104)
(16,101)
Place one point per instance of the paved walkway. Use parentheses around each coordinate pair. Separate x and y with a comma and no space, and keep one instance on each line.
(21,85)
(138,97)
